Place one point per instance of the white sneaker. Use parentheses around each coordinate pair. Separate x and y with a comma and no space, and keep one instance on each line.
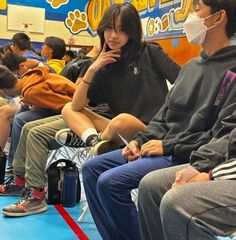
(85,153)
(104,147)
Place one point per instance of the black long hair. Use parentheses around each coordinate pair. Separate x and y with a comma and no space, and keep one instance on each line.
(131,25)
(58,46)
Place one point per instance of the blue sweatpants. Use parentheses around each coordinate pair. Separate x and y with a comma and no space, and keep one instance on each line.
(108,180)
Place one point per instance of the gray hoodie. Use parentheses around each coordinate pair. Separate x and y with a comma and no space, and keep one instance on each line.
(194,108)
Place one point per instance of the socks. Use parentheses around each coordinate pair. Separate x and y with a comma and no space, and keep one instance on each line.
(19,181)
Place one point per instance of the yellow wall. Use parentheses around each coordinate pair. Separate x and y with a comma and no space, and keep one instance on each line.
(52,28)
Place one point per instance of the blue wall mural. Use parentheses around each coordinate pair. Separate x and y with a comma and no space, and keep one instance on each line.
(160,18)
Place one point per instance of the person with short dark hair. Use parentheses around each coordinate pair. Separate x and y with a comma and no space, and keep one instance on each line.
(21,45)
(54,49)
(197,201)
(74,67)
(81,53)
(69,56)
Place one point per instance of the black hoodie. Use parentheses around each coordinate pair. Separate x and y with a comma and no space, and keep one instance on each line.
(191,115)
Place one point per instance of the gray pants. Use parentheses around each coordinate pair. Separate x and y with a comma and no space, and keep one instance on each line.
(37,139)
(197,211)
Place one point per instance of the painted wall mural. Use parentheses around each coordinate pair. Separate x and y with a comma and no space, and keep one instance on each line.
(160,18)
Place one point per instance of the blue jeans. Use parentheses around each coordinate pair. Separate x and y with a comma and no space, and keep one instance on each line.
(108,180)
(23,116)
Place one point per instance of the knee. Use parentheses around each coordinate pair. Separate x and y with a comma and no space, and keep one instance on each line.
(145,186)
(66,110)
(120,120)
(32,133)
(172,203)
(89,169)
(148,190)
(19,120)
(27,127)
(7,112)
(106,184)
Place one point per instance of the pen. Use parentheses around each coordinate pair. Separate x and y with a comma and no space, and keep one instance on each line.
(124,140)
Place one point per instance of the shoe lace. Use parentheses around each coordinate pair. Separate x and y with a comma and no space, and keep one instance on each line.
(25,195)
(85,153)
(74,140)
(95,140)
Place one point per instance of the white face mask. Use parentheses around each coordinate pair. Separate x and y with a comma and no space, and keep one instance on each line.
(195,28)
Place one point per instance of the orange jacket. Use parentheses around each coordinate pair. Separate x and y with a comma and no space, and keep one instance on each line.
(46,90)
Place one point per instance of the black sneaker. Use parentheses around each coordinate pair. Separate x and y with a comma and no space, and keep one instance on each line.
(67,138)
(10,188)
(32,202)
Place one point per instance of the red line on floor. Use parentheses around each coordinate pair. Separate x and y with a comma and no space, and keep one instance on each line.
(70,221)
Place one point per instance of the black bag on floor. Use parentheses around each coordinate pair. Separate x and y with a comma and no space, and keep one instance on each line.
(63,183)
(3,160)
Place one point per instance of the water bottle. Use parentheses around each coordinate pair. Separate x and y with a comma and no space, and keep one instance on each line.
(3,159)
(69,190)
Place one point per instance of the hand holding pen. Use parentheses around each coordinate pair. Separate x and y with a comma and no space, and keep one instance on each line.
(131,151)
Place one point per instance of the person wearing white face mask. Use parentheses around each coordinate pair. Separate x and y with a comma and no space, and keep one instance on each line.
(195,28)
(183,202)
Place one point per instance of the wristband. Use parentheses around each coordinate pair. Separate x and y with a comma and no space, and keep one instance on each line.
(85,82)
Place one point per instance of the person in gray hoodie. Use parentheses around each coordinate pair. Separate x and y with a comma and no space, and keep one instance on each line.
(195,201)
(204,94)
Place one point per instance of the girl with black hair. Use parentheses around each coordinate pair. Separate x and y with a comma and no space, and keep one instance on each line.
(129,75)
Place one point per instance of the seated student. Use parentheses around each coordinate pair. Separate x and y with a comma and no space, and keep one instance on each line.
(129,75)
(35,83)
(73,69)
(46,129)
(44,92)
(5,49)
(69,56)
(18,65)
(54,49)
(38,137)
(21,45)
(82,52)
(201,202)
(204,93)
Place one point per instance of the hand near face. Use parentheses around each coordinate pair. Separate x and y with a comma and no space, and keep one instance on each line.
(105,58)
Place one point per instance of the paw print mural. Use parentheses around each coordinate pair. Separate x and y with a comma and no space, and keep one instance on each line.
(57,3)
(76,21)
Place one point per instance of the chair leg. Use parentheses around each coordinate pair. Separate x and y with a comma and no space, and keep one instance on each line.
(84,212)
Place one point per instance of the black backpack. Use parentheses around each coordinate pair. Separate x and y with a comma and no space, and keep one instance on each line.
(55,173)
